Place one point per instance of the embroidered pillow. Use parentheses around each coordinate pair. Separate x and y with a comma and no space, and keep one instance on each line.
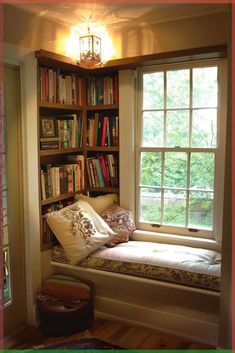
(79,229)
(99,203)
(121,222)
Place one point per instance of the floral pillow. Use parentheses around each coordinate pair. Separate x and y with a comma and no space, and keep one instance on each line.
(121,222)
(79,229)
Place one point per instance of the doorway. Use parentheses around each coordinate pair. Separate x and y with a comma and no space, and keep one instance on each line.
(15,313)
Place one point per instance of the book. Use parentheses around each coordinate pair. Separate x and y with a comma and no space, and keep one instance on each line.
(99,173)
(80,161)
(43,186)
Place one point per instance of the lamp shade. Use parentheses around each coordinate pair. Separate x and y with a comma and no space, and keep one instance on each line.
(90,49)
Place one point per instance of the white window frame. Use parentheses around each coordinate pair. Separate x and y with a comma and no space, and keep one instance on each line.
(220,150)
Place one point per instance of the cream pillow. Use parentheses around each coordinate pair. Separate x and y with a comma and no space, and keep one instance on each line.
(79,229)
(99,203)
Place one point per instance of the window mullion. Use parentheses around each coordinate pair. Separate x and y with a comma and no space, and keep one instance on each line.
(188,186)
(163,152)
(190,107)
(190,144)
(162,186)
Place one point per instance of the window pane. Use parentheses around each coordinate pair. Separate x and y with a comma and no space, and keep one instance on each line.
(204,128)
(153,129)
(175,169)
(151,168)
(202,171)
(6,276)
(5,236)
(178,89)
(150,203)
(177,128)
(201,210)
(153,90)
(174,207)
(205,87)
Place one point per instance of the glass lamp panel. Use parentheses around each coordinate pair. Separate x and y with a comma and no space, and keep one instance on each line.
(150,205)
(153,129)
(85,47)
(97,45)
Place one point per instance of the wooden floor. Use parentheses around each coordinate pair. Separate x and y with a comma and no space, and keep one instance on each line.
(124,335)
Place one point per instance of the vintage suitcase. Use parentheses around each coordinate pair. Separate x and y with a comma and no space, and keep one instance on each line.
(65,305)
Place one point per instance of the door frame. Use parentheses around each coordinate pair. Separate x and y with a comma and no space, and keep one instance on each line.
(27,64)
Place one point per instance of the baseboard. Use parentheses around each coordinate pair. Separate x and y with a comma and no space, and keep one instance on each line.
(183,311)
(184,325)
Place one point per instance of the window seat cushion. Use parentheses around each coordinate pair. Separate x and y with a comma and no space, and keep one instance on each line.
(164,262)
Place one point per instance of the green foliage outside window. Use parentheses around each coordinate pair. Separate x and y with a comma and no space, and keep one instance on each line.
(179,132)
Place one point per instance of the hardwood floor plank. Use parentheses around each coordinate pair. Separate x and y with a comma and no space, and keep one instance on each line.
(107,330)
(123,335)
(133,337)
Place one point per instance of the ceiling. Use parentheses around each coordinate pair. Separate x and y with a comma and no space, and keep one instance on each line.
(115,16)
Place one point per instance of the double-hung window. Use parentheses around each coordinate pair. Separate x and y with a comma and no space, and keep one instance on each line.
(180,149)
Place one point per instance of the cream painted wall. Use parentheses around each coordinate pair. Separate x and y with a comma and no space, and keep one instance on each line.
(34,32)
(31,31)
(169,36)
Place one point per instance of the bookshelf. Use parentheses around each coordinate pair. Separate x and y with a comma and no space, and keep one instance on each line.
(78,139)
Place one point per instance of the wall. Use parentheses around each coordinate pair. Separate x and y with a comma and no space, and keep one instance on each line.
(27,30)
(152,33)
(31,31)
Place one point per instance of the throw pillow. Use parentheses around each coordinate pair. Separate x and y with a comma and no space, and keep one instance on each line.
(121,222)
(79,229)
(99,203)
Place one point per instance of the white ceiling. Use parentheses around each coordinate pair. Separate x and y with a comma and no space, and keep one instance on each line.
(116,16)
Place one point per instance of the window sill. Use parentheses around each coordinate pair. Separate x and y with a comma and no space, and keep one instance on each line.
(176,240)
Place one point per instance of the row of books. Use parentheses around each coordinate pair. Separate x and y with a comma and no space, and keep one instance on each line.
(102,130)
(70,131)
(56,87)
(102,90)
(67,132)
(63,179)
(47,234)
(102,170)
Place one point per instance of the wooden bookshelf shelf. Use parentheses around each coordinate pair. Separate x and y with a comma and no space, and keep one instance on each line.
(60,106)
(103,149)
(53,152)
(104,189)
(102,107)
(59,198)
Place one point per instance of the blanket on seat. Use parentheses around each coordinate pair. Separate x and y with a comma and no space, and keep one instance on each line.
(184,265)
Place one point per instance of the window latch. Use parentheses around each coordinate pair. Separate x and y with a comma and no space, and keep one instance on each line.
(156,225)
(193,230)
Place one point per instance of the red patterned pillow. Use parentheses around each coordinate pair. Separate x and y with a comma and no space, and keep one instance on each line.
(121,222)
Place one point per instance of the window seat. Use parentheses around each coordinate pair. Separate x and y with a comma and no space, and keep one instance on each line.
(176,264)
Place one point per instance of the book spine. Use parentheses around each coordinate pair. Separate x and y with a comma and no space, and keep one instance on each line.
(104,129)
(43,186)
(99,173)
(88,172)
